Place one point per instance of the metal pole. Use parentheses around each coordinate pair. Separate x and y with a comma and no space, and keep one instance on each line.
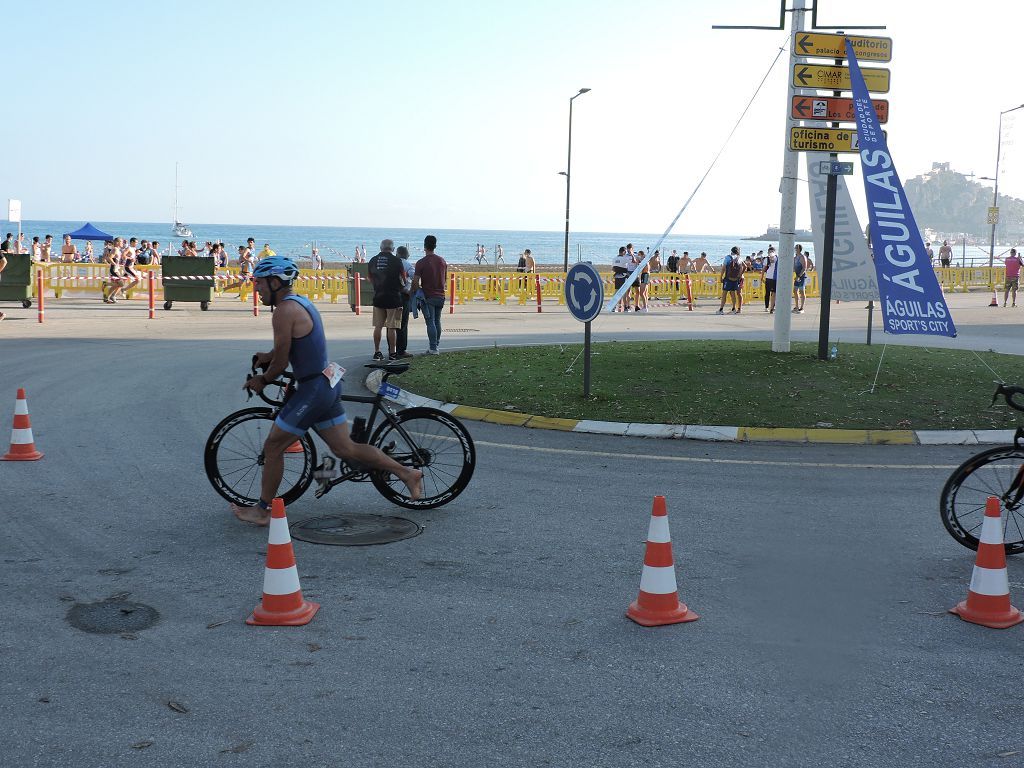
(787,214)
(825,272)
(871,314)
(568,172)
(586,359)
(995,204)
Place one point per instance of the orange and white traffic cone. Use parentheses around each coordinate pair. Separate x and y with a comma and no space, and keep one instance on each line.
(658,601)
(995,298)
(282,604)
(988,596)
(23,447)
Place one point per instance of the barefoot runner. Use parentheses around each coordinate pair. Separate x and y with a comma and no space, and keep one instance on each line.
(299,340)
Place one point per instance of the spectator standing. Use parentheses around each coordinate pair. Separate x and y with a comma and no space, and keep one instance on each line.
(267,252)
(620,268)
(7,246)
(1013,264)
(68,251)
(945,254)
(931,254)
(154,252)
(644,285)
(732,281)
(318,262)
(799,279)
(387,276)
(672,262)
(402,337)
(46,248)
(37,249)
(771,270)
(430,278)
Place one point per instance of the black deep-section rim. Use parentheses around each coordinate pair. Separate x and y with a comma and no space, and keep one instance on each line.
(962,504)
(232,458)
(446,451)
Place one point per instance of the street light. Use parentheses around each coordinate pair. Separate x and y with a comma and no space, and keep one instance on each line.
(995,193)
(567,172)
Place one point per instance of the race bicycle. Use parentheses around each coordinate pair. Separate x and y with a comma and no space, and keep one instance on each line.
(996,472)
(428,439)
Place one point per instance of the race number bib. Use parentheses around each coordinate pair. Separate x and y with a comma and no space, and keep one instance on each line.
(334,372)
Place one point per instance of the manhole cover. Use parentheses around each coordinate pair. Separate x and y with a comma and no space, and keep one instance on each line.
(109,617)
(355,530)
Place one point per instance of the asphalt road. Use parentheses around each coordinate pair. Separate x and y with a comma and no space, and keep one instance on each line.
(498,636)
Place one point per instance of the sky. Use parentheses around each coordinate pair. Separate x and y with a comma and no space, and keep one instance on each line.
(452,114)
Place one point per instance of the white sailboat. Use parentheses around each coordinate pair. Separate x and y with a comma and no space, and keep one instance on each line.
(179,229)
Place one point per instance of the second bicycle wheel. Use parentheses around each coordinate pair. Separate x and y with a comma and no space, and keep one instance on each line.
(234,458)
(991,473)
(438,444)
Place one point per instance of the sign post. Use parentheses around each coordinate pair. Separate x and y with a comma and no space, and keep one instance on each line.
(584,296)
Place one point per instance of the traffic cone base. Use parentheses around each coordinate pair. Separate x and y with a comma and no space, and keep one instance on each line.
(282,604)
(23,447)
(988,596)
(658,601)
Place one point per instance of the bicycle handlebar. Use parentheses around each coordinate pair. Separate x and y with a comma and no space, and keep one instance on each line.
(1009,391)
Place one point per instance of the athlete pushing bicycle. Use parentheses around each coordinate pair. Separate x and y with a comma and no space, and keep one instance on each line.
(299,341)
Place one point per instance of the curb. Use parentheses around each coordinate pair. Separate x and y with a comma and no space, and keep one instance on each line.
(706,432)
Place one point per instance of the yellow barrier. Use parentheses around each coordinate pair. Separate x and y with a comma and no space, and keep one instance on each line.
(495,287)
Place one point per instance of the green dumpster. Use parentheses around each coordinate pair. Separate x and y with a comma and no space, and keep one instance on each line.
(365,286)
(16,279)
(179,283)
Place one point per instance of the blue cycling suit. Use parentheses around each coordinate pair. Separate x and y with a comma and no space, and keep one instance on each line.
(315,403)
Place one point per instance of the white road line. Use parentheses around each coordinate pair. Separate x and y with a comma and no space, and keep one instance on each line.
(706,460)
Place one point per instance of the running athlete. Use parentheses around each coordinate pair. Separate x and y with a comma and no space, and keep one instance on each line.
(299,340)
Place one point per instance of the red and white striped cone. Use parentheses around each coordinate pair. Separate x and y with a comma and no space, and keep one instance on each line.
(988,596)
(23,447)
(282,604)
(658,601)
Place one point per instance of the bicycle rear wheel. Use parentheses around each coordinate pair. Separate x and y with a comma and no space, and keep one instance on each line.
(995,472)
(438,444)
(234,458)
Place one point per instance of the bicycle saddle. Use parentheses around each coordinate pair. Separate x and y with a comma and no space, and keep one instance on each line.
(389,366)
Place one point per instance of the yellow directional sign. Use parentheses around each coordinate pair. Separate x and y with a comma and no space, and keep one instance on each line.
(824,140)
(838,78)
(834,47)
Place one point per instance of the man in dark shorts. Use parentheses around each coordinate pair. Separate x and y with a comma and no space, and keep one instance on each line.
(388,276)
(316,403)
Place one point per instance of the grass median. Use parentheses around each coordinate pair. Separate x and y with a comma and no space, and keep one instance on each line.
(729,382)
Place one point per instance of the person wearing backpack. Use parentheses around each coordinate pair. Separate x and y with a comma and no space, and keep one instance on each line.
(799,279)
(732,281)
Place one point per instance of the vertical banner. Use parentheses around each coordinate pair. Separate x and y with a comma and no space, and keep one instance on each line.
(13,210)
(853,274)
(911,299)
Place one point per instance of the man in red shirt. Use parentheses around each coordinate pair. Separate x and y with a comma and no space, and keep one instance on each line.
(430,276)
(1013,263)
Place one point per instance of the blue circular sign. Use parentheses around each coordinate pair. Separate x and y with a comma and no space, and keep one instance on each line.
(584,292)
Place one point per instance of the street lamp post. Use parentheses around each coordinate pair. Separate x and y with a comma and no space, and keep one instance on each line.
(566,173)
(995,193)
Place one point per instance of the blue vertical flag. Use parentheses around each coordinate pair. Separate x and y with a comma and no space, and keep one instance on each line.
(911,299)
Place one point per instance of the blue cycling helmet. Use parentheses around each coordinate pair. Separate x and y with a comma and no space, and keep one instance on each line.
(277,266)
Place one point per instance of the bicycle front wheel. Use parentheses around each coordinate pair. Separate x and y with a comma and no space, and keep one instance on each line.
(434,442)
(995,472)
(234,458)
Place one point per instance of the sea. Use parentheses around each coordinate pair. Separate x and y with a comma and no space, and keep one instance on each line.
(459,246)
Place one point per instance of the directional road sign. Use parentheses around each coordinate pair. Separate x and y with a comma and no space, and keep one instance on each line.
(838,78)
(993,216)
(584,292)
(833,168)
(833,47)
(824,140)
(833,108)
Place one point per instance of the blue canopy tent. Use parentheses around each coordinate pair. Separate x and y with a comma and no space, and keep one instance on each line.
(88,232)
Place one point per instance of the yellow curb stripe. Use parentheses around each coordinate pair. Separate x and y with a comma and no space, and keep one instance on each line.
(851,436)
(546,422)
(754,434)
(469,412)
(509,418)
